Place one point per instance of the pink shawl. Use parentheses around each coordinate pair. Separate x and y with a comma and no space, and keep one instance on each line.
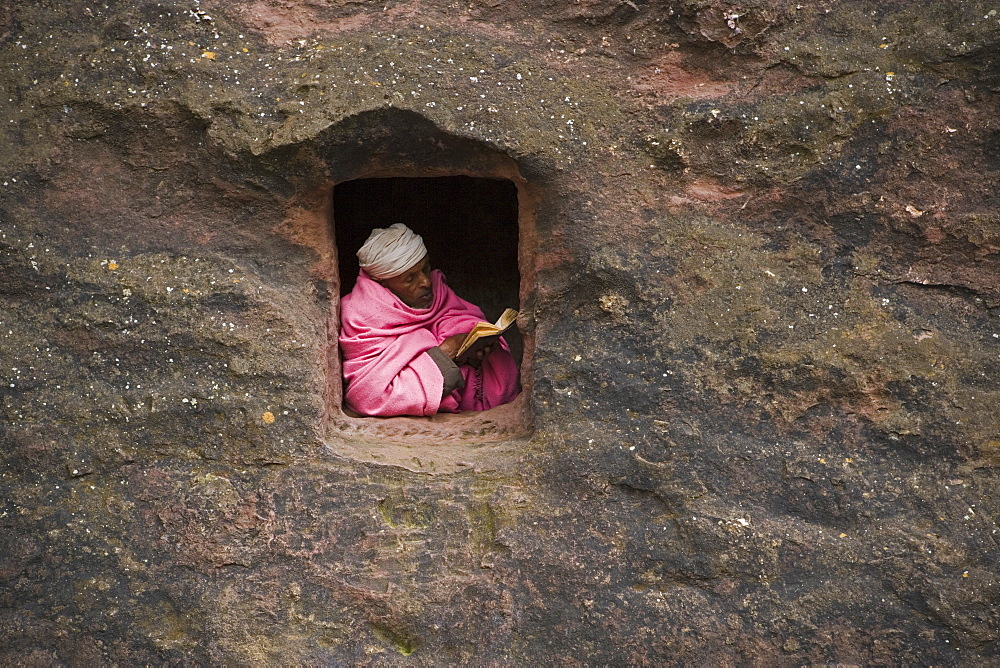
(384,344)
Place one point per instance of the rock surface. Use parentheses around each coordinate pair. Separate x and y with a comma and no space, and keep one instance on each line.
(760,306)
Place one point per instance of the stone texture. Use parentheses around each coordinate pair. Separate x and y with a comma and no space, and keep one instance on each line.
(760,309)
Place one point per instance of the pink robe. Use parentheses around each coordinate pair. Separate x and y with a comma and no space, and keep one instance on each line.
(384,345)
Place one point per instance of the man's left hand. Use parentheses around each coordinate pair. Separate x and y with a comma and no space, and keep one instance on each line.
(475,361)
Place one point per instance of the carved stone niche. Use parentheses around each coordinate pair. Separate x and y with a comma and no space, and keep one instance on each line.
(476,212)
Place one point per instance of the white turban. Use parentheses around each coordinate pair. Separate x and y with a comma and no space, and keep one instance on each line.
(390,251)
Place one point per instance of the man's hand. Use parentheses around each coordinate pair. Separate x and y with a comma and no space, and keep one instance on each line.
(477,360)
(451,345)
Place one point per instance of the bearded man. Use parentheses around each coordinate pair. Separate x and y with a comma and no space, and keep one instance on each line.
(401,327)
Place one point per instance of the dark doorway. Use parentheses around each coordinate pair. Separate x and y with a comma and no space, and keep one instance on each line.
(469,225)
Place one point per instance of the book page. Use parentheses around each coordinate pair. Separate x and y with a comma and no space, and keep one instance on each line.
(506,319)
(483,329)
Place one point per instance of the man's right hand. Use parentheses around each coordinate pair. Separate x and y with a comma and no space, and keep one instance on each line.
(451,345)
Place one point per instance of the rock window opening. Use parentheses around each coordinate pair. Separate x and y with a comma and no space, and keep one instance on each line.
(479,230)
(469,225)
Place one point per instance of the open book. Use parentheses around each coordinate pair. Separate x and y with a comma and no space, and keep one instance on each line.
(484,334)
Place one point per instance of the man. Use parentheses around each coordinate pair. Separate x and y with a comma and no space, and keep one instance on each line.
(401,327)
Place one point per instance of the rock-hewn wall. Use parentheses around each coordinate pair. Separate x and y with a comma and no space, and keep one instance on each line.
(761,287)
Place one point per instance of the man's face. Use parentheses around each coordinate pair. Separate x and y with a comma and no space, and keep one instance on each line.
(413,286)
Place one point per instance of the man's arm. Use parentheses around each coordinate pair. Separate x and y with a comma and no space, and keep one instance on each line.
(453,378)
(391,375)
